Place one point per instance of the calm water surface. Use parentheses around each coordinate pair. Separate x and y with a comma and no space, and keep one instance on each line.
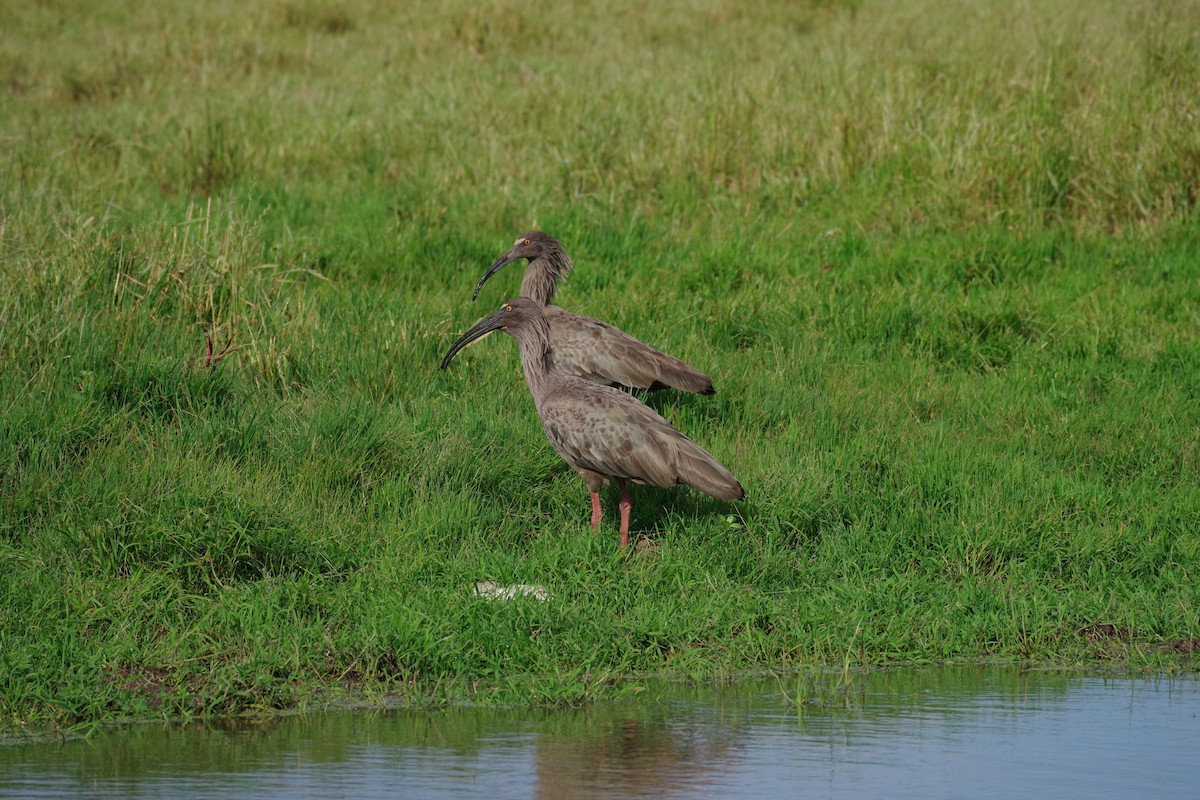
(963,732)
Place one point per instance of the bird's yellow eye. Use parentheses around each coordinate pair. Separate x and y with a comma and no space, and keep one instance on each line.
(508,308)
(526,242)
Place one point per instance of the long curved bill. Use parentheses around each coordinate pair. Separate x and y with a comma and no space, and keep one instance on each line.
(499,264)
(478,331)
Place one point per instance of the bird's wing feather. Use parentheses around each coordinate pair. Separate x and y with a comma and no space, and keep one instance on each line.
(606,431)
(600,352)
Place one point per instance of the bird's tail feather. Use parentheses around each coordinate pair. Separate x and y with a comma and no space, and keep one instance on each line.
(696,467)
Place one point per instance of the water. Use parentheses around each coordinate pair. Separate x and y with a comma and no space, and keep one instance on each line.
(963,732)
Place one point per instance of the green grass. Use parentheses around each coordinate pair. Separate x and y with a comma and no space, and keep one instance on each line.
(942,265)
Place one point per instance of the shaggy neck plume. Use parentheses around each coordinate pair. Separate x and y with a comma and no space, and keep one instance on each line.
(543,274)
(537,359)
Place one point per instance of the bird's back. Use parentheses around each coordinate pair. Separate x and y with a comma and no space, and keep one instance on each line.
(604,354)
(604,430)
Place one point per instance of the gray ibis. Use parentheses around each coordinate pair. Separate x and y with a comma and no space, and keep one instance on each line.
(601,432)
(588,347)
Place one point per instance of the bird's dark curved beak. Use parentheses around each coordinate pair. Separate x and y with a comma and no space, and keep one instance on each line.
(478,331)
(500,263)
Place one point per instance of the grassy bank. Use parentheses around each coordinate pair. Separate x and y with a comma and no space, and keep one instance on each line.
(941,265)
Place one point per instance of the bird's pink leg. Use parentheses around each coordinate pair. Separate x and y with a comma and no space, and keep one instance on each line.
(597,512)
(626,507)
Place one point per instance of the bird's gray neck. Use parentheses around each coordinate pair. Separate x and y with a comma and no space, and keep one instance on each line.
(542,275)
(537,359)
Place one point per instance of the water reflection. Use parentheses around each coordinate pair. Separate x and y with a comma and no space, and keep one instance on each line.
(648,754)
(926,733)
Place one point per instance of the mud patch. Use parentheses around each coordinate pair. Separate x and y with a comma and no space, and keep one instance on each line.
(1103,631)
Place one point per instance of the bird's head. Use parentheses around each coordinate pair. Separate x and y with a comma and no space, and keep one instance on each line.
(519,317)
(532,246)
